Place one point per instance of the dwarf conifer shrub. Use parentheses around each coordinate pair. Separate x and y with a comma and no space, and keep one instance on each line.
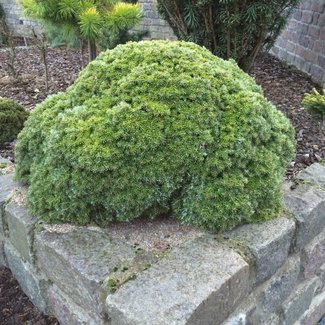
(156,126)
(315,101)
(12,118)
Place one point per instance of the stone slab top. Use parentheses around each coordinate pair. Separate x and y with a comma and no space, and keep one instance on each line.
(183,287)
(7,185)
(314,173)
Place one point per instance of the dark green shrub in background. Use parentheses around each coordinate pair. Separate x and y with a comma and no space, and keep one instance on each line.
(229,28)
(155,126)
(12,118)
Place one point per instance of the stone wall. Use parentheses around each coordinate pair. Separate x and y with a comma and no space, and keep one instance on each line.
(156,27)
(16,21)
(269,273)
(302,43)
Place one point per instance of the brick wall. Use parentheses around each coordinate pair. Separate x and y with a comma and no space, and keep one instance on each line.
(302,43)
(17,23)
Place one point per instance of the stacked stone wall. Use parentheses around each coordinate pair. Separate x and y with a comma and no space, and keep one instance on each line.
(152,23)
(17,23)
(268,273)
(302,43)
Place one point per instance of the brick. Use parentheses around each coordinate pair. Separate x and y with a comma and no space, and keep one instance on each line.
(317,72)
(321,20)
(314,31)
(321,61)
(200,283)
(291,47)
(316,16)
(322,34)
(269,242)
(313,256)
(318,46)
(303,41)
(309,55)
(318,6)
(307,17)
(20,227)
(299,301)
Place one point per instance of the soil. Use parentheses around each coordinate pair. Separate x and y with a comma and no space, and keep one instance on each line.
(15,307)
(282,85)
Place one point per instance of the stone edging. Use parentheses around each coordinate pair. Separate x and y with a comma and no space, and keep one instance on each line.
(268,273)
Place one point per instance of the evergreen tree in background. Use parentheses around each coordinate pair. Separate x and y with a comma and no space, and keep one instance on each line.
(237,29)
(85,19)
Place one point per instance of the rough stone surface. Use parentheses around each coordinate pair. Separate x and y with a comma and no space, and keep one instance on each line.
(315,312)
(298,302)
(156,27)
(20,225)
(15,19)
(32,284)
(307,204)
(67,312)
(314,173)
(3,261)
(269,242)
(4,161)
(313,255)
(200,283)
(273,293)
(321,275)
(86,256)
(244,313)
(6,186)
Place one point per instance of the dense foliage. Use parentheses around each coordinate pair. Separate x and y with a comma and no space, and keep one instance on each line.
(85,19)
(151,127)
(12,118)
(315,101)
(229,28)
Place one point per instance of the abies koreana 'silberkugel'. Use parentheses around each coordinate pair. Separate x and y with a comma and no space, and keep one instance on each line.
(155,126)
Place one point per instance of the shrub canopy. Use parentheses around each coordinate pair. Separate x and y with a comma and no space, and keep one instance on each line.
(156,126)
(12,118)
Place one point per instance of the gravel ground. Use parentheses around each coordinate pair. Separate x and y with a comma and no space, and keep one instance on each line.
(284,86)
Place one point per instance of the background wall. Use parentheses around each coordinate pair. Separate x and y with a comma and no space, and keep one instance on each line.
(15,19)
(157,27)
(302,43)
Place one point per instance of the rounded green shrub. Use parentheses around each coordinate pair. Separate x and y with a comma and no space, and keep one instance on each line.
(151,127)
(12,118)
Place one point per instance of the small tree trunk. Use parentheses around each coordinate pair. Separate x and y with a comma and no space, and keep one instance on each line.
(92,50)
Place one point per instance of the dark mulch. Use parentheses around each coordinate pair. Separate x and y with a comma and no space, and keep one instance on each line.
(15,307)
(284,86)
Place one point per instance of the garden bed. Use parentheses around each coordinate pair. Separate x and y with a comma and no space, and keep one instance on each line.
(283,85)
